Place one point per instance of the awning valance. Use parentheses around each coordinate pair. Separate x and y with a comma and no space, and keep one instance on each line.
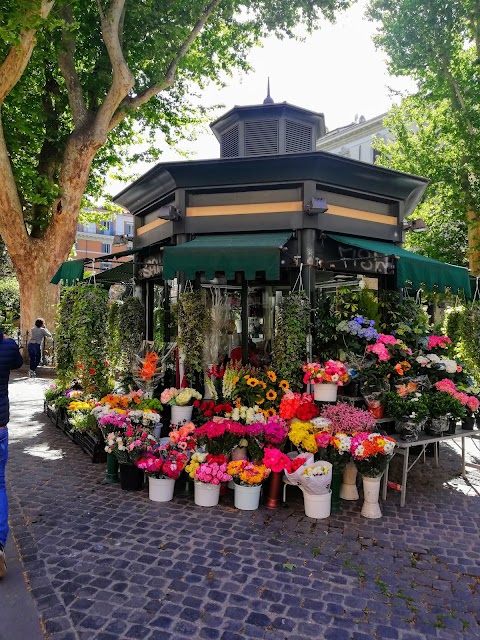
(120,274)
(69,272)
(228,253)
(413,270)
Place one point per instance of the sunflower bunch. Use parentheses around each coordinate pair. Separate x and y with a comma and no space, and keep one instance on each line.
(261,388)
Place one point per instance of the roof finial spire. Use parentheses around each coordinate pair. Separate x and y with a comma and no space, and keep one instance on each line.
(268,99)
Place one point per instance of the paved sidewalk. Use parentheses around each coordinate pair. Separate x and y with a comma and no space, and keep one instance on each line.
(105,564)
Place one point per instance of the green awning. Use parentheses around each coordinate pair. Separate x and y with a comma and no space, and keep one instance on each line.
(247,252)
(413,270)
(120,274)
(69,272)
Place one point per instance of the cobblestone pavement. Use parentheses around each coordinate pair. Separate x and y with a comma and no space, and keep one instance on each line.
(106,564)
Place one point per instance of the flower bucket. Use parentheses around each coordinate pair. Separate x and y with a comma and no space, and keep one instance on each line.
(371,491)
(376,409)
(160,489)
(317,506)
(247,498)
(325,392)
(206,495)
(437,426)
(348,490)
(469,423)
(181,414)
(408,430)
(131,477)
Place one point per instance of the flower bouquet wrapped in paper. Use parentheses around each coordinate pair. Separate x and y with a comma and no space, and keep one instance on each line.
(297,467)
(316,477)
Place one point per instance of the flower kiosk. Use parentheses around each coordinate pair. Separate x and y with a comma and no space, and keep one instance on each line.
(234,257)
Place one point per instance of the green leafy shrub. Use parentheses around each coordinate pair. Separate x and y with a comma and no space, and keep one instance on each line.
(292,325)
(469,350)
(131,332)
(193,322)
(9,305)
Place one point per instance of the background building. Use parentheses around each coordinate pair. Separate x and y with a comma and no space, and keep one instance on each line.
(93,240)
(355,140)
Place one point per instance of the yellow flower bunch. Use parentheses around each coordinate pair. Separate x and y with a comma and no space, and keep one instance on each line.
(195,461)
(248,473)
(79,405)
(302,435)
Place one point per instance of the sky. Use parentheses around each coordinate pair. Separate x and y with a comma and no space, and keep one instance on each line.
(336,71)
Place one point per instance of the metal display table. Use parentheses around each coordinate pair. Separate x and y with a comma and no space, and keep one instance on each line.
(403,448)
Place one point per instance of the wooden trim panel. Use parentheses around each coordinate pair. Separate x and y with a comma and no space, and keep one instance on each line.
(242,209)
(151,225)
(344,212)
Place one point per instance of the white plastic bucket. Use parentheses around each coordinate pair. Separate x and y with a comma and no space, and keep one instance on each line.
(247,498)
(160,489)
(317,506)
(181,414)
(206,495)
(325,392)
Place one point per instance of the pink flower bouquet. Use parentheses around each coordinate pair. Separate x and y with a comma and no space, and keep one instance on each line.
(212,473)
(332,371)
(347,419)
(163,462)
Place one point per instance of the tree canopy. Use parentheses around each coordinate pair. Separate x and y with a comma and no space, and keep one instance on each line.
(80,80)
(437,42)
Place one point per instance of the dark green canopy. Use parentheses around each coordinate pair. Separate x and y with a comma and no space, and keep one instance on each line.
(413,270)
(247,252)
(69,272)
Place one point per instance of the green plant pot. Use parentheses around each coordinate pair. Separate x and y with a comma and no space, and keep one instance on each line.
(111,473)
(336,485)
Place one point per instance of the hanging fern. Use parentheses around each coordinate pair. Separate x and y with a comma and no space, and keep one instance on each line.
(292,324)
(65,336)
(193,322)
(131,332)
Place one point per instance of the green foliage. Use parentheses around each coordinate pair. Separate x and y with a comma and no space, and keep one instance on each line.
(469,350)
(193,322)
(81,338)
(443,404)
(36,115)
(113,333)
(344,304)
(292,325)
(131,332)
(437,44)
(65,337)
(89,320)
(9,305)
(413,407)
(403,317)
(452,327)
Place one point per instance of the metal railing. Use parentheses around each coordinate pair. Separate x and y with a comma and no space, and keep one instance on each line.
(47,347)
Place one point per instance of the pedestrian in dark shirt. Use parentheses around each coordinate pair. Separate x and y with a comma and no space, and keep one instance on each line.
(10,358)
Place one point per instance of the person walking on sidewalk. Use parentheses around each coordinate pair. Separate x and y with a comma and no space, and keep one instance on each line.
(10,358)
(37,335)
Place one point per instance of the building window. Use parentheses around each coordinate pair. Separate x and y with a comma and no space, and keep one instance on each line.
(376,154)
(129,229)
(106,248)
(107,227)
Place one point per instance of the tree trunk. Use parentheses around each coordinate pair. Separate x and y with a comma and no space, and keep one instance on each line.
(38,299)
(473,219)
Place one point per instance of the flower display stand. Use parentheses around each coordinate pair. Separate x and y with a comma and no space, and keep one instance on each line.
(247,498)
(274,490)
(111,472)
(325,392)
(348,490)
(336,485)
(317,506)
(161,489)
(94,447)
(371,492)
(206,495)
(131,477)
(181,414)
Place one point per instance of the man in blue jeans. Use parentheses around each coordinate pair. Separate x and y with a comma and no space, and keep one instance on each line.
(10,358)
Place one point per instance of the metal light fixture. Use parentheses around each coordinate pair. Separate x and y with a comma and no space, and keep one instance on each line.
(316,205)
(121,240)
(169,212)
(415,225)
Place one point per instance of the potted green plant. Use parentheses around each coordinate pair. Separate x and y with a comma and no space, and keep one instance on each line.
(444,411)
(408,406)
